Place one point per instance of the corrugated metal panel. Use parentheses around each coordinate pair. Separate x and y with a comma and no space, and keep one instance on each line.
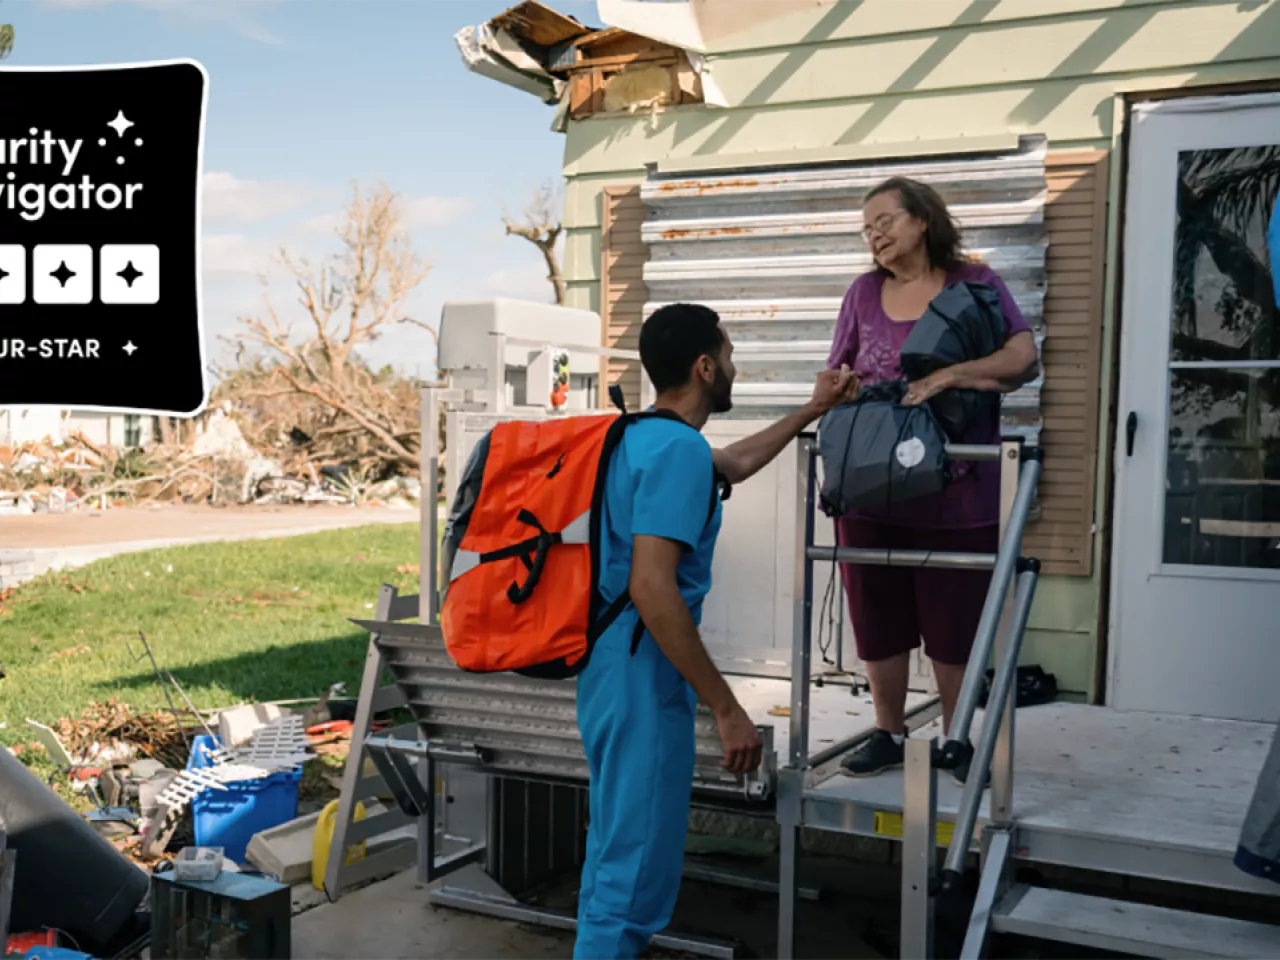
(526,727)
(774,252)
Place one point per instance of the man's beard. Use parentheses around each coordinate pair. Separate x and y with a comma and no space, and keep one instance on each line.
(721,392)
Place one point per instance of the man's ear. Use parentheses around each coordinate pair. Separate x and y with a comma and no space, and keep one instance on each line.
(704,369)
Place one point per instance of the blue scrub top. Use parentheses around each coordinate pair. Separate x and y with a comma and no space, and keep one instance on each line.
(1273,248)
(659,484)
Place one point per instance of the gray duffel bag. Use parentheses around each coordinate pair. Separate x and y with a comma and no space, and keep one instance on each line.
(875,452)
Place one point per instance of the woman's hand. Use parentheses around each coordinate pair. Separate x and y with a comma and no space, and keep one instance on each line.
(924,390)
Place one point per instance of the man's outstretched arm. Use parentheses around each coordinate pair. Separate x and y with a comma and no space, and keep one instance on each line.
(657,598)
(745,458)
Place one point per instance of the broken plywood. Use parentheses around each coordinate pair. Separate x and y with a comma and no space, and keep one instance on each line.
(540,25)
(615,72)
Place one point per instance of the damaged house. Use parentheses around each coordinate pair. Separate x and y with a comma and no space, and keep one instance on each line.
(1117,163)
(716,151)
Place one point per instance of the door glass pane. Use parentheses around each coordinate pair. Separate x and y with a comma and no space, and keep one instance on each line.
(1224,301)
(1222,485)
(1222,490)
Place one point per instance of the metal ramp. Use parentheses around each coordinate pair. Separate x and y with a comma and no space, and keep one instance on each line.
(1150,797)
(364,780)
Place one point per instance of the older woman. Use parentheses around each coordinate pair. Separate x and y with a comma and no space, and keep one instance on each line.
(916,246)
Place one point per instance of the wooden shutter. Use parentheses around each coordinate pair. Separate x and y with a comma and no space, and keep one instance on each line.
(622,289)
(1076,217)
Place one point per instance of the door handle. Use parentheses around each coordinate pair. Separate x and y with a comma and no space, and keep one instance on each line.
(1130,430)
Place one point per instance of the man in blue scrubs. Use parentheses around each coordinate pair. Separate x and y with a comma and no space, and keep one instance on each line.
(1273,247)
(637,695)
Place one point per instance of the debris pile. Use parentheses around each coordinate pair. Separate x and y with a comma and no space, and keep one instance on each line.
(50,474)
(111,732)
(211,463)
(133,767)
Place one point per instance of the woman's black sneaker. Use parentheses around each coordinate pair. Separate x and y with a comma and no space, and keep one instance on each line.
(875,755)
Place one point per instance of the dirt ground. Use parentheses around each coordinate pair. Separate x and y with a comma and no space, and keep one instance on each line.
(176,523)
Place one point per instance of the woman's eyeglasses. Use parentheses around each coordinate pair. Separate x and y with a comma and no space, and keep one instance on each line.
(882,224)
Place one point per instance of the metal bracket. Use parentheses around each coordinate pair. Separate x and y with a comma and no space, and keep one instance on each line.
(401,777)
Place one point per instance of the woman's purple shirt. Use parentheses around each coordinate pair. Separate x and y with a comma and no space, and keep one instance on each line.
(871,344)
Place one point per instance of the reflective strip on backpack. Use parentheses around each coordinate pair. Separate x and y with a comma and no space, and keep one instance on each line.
(579,532)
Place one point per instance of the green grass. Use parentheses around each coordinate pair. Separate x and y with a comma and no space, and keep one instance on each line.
(234,622)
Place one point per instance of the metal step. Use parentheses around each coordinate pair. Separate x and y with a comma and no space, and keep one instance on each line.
(1134,928)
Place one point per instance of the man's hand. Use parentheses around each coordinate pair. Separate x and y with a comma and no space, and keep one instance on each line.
(741,740)
(742,460)
(833,388)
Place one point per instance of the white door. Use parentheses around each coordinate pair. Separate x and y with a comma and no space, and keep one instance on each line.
(1195,614)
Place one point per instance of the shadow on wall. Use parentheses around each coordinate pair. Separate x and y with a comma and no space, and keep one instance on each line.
(1115,28)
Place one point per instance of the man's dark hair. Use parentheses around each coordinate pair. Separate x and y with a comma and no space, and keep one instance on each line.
(942,234)
(672,340)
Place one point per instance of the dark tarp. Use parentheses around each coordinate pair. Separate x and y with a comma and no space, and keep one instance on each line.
(964,322)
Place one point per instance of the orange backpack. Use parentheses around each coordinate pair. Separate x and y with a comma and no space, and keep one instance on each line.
(520,561)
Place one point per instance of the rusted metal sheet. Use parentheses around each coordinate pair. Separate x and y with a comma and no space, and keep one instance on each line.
(774,251)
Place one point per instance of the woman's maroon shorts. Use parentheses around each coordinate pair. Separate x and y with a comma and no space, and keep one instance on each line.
(893,608)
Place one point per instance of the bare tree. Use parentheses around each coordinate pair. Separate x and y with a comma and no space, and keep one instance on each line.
(348,301)
(541,224)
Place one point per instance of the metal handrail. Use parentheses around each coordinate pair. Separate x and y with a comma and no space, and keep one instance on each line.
(798,752)
(997,704)
(884,557)
(956,745)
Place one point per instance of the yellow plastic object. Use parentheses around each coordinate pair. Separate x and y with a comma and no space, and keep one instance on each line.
(322,839)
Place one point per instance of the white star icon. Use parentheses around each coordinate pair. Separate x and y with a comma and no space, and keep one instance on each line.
(120,124)
(129,348)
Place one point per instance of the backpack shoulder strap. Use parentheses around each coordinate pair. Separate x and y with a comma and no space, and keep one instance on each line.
(720,486)
(720,490)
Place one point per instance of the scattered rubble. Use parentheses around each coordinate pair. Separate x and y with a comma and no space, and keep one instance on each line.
(128,762)
(111,731)
(216,465)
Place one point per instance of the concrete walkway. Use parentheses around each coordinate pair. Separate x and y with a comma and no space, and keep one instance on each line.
(392,920)
(37,543)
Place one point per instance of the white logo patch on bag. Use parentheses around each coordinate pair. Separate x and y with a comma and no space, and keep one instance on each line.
(910,452)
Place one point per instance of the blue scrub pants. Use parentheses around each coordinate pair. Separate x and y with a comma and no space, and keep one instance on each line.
(636,718)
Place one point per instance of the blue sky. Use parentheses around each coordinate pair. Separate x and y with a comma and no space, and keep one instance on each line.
(306,96)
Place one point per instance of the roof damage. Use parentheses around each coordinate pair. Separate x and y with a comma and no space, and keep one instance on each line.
(584,71)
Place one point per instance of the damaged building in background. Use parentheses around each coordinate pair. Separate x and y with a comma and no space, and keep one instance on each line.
(584,71)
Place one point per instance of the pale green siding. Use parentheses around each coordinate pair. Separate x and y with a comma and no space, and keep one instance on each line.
(892,72)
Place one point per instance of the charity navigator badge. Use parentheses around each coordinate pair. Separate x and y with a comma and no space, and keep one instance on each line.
(100,237)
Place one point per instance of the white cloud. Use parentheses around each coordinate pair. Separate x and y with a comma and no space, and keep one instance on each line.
(418,213)
(234,14)
(437,211)
(230,253)
(228,199)
(525,282)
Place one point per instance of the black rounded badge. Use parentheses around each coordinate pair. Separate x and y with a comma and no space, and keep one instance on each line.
(100,237)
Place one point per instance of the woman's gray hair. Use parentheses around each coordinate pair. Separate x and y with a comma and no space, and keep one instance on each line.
(941,233)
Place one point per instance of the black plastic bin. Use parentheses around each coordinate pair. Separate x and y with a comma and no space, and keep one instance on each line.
(65,875)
